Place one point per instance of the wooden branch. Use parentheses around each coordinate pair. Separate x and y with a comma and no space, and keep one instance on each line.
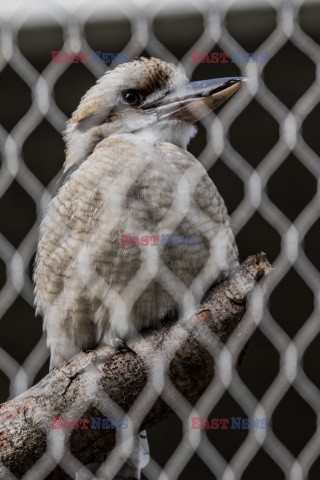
(25,421)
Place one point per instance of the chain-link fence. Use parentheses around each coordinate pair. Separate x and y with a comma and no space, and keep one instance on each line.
(261,150)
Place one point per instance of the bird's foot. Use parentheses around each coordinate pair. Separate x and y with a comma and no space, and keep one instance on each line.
(121,346)
(88,350)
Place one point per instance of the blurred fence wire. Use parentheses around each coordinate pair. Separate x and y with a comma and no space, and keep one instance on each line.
(72,18)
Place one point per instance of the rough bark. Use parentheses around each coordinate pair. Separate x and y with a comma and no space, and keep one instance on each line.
(25,421)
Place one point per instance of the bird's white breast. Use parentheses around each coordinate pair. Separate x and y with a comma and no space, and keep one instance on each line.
(90,287)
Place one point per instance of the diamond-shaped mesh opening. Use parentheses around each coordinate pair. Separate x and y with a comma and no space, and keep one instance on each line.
(19,94)
(301,429)
(298,74)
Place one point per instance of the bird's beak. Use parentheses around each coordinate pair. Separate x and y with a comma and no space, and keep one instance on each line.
(196,99)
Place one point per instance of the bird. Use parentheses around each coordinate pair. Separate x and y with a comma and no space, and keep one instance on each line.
(128,174)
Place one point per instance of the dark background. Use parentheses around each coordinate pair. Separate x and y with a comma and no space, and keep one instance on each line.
(254,132)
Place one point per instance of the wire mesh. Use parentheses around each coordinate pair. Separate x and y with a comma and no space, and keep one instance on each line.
(291,372)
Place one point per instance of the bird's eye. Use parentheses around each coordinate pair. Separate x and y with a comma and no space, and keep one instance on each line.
(131,97)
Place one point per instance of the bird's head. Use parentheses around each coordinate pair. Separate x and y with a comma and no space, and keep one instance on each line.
(147,97)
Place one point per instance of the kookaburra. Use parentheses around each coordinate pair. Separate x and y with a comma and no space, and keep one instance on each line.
(127,172)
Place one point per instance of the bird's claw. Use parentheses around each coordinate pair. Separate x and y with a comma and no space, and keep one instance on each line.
(122,345)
